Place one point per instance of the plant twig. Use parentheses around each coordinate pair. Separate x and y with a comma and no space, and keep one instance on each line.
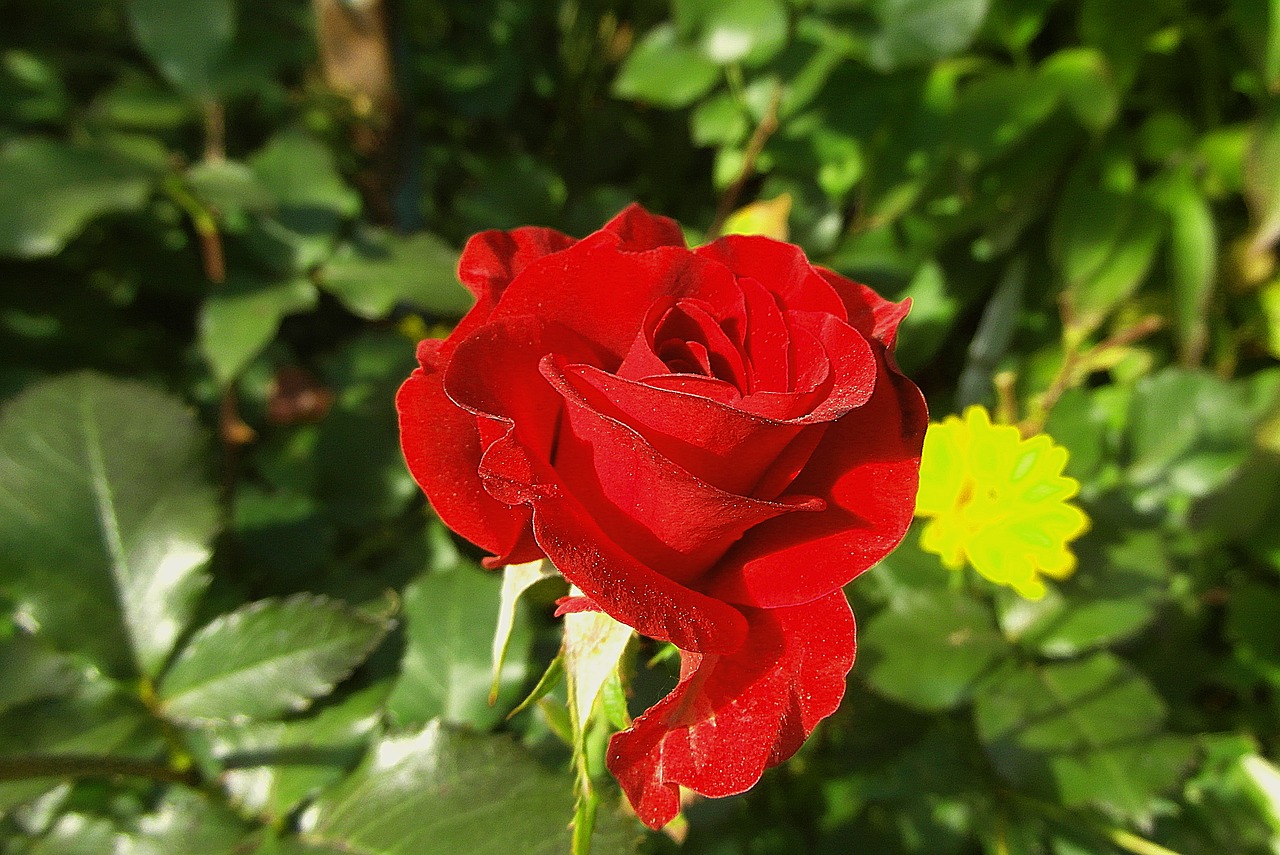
(205,225)
(729,199)
(23,768)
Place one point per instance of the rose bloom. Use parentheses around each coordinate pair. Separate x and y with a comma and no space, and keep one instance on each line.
(709,443)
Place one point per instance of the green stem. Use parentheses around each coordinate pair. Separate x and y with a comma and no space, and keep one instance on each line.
(23,768)
(205,225)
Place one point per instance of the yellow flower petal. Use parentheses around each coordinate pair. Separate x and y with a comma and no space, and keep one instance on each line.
(998,502)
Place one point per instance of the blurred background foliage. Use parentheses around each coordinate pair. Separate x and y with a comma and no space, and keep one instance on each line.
(231,626)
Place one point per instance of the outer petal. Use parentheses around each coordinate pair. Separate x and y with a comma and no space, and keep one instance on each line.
(780,267)
(492,259)
(869,313)
(866,468)
(443,448)
(639,230)
(731,717)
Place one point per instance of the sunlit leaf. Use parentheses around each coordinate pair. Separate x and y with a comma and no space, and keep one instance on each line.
(268,658)
(106,517)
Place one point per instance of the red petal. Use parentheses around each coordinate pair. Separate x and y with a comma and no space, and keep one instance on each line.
(869,313)
(442,446)
(663,515)
(866,468)
(492,259)
(731,717)
(640,230)
(605,295)
(780,267)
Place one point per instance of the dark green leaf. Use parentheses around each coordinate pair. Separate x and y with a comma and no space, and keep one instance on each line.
(49,191)
(450,617)
(312,199)
(1089,732)
(106,517)
(29,672)
(268,658)
(663,71)
(378,271)
(187,41)
(1104,242)
(929,649)
(443,791)
(240,318)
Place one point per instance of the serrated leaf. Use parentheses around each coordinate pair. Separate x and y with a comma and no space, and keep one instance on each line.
(1089,732)
(106,517)
(444,791)
(268,658)
(269,768)
(450,617)
(240,318)
(49,191)
(664,71)
(187,41)
(929,649)
(379,270)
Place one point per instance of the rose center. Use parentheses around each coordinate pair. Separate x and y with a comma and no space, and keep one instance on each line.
(690,340)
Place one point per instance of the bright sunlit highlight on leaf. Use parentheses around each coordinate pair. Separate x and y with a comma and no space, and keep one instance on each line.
(998,502)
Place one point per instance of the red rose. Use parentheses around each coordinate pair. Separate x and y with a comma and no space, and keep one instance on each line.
(709,443)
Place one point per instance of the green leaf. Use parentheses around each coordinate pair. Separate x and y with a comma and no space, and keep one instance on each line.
(230,187)
(185,823)
(918,32)
(106,517)
(29,672)
(516,579)
(241,316)
(312,199)
(593,647)
(269,768)
(380,270)
(361,476)
(1192,263)
(444,791)
(1262,178)
(1257,24)
(187,41)
(268,658)
(1089,732)
(998,111)
(728,31)
(1252,618)
(664,71)
(1104,241)
(450,617)
(1083,80)
(1113,596)
(929,649)
(49,191)
(77,834)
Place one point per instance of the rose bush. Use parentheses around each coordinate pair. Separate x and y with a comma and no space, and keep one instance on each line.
(709,443)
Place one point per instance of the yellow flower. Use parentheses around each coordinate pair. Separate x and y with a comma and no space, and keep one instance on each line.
(998,501)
